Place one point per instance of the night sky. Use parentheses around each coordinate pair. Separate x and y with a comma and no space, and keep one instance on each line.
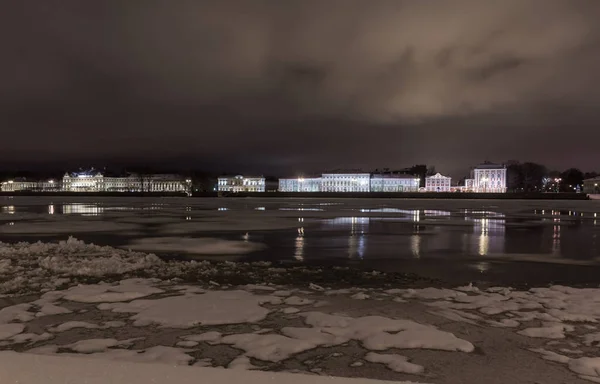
(285,86)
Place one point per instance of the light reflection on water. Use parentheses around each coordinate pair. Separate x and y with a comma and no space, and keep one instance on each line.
(299,245)
(414,233)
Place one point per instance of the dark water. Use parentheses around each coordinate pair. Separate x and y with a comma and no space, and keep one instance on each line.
(457,241)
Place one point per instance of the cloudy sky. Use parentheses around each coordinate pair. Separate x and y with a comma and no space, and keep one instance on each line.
(280,87)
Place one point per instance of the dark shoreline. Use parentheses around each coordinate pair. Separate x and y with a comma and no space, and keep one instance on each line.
(321,195)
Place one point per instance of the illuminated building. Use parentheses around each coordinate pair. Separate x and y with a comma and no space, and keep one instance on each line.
(302,184)
(87,181)
(591,186)
(163,183)
(352,182)
(346,182)
(394,183)
(490,178)
(469,185)
(91,181)
(438,183)
(29,185)
(240,183)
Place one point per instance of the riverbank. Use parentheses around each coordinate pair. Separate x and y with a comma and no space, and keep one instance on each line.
(334,195)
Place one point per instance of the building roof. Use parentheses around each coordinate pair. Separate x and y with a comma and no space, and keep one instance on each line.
(490,166)
(393,176)
(438,176)
(597,178)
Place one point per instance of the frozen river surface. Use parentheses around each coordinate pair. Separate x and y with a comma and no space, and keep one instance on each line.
(494,241)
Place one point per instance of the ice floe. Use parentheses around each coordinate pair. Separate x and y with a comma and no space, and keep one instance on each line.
(204,245)
(211,308)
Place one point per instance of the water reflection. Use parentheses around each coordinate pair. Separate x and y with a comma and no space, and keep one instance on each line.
(491,234)
(82,209)
(301,209)
(299,245)
(415,245)
(429,212)
(556,237)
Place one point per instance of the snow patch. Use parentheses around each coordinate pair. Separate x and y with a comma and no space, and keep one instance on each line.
(548,331)
(396,363)
(211,308)
(9,330)
(198,246)
(295,300)
(64,327)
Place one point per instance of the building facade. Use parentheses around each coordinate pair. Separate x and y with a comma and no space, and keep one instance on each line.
(346,182)
(394,183)
(87,181)
(302,184)
(352,182)
(239,183)
(30,185)
(469,185)
(592,186)
(438,183)
(97,182)
(489,178)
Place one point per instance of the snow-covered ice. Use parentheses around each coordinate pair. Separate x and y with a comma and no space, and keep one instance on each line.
(42,369)
(126,290)
(72,325)
(205,246)
(268,347)
(396,363)
(9,330)
(556,324)
(211,308)
(95,345)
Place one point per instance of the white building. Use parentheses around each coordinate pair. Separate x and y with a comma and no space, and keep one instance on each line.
(438,183)
(489,178)
(19,185)
(592,186)
(346,182)
(302,184)
(163,183)
(97,182)
(240,183)
(469,185)
(394,183)
(89,181)
(28,185)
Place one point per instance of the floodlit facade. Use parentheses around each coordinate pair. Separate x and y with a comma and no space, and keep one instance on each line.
(163,183)
(29,185)
(97,182)
(591,186)
(301,184)
(394,183)
(469,185)
(239,183)
(489,178)
(346,182)
(352,182)
(438,183)
(88,181)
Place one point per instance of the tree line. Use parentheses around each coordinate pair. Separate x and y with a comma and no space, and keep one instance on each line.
(533,177)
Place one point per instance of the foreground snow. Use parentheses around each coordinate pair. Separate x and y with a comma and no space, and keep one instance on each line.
(547,334)
(37,369)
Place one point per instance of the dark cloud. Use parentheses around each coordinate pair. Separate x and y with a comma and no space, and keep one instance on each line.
(292,85)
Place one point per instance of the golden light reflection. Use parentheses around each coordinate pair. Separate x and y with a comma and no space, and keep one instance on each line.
(299,245)
(415,246)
